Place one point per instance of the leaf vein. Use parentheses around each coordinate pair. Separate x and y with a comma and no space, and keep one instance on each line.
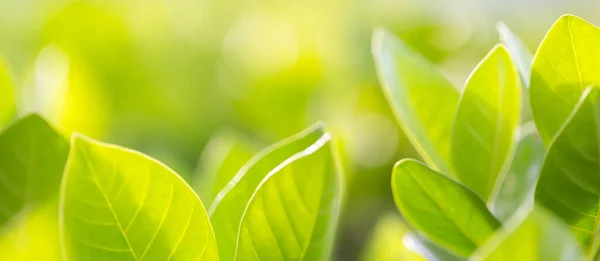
(108,203)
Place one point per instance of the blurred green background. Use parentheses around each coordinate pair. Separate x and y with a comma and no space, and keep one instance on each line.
(196,83)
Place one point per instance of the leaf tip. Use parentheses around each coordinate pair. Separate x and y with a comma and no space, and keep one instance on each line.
(379,34)
(77,137)
(503,31)
(401,164)
(501,26)
(34,117)
(500,49)
(404,162)
(318,126)
(81,141)
(569,18)
(566,17)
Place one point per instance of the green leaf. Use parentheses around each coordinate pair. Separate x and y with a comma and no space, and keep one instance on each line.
(383,242)
(294,211)
(117,204)
(519,53)
(32,159)
(448,213)
(523,59)
(569,183)
(486,120)
(7,95)
(518,185)
(566,63)
(529,236)
(229,205)
(225,153)
(423,100)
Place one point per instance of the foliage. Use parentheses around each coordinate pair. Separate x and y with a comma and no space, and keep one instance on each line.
(496,158)
(119,204)
(494,185)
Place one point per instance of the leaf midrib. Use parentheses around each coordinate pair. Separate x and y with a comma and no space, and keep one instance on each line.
(441,208)
(84,153)
(575,54)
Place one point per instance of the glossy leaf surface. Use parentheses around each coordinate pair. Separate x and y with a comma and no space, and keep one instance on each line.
(445,211)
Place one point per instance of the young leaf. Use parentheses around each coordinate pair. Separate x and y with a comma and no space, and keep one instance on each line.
(528,236)
(486,120)
(566,63)
(117,204)
(225,153)
(518,185)
(518,51)
(569,183)
(448,213)
(293,213)
(423,100)
(229,205)
(32,159)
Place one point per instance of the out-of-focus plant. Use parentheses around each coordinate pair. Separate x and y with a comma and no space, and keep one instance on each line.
(478,197)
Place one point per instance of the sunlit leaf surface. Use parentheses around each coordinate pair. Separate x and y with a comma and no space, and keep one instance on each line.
(118,204)
(566,63)
(229,205)
(447,212)
(569,183)
(486,120)
(293,213)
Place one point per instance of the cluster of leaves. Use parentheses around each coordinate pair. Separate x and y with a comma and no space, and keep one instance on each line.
(497,185)
(86,200)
